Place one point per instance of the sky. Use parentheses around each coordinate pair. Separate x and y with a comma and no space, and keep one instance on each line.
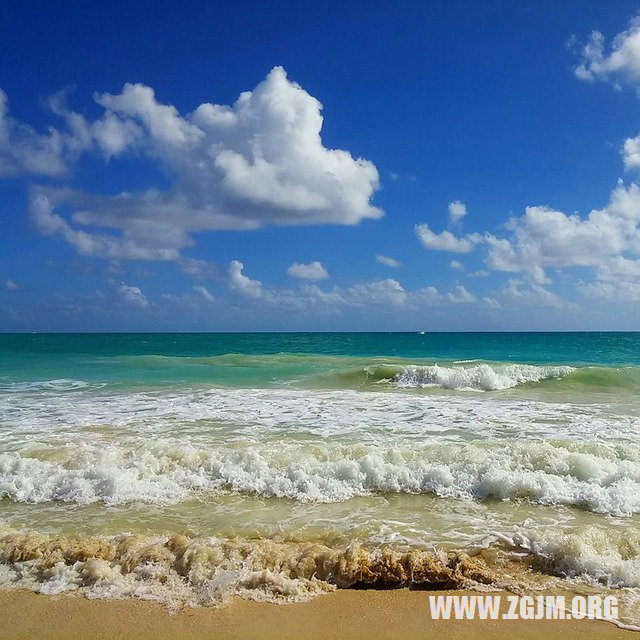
(309,166)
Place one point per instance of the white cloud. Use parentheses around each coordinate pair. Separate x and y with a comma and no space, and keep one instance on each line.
(200,269)
(457,211)
(242,284)
(387,261)
(631,153)
(260,161)
(203,292)
(134,244)
(445,240)
(427,296)
(544,237)
(455,264)
(311,271)
(24,150)
(620,64)
(460,295)
(132,295)
(491,302)
(618,269)
(10,285)
(533,294)
(380,293)
(612,292)
(387,291)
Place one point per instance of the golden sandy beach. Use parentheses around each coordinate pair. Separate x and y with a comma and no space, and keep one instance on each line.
(353,614)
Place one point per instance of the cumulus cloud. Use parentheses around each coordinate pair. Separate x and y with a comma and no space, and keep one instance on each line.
(544,237)
(132,295)
(606,240)
(428,296)
(457,211)
(616,64)
(203,292)
(244,285)
(388,262)
(631,153)
(460,295)
(387,291)
(455,264)
(619,268)
(612,292)
(311,271)
(257,162)
(445,240)
(520,293)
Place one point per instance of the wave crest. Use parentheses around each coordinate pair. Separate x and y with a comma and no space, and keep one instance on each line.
(482,377)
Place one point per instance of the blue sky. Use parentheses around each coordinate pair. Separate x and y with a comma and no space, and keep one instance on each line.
(304,166)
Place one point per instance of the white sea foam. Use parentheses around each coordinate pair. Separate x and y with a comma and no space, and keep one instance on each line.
(166,471)
(595,554)
(61,384)
(232,414)
(480,377)
(330,446)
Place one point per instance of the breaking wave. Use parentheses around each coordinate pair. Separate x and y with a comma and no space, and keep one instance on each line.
(180,571)
(594,554)
(483,377)
(602,478)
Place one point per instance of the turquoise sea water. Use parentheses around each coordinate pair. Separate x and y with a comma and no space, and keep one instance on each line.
(279,454)
(218,357)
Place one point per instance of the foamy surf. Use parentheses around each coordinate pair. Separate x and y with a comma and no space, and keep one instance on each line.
(166,472)
(179,570)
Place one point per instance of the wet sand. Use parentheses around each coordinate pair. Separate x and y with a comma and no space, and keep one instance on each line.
(398,614)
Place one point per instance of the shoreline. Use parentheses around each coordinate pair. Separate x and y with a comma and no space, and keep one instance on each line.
(367,614)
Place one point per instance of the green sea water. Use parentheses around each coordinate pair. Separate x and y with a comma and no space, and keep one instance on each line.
(604,359)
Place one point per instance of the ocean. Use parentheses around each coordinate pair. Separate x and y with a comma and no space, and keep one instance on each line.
(189,468)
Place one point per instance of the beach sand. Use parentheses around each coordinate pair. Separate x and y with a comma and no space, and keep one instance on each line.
(345,614)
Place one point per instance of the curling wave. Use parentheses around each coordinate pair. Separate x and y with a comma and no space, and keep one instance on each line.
(483,377)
